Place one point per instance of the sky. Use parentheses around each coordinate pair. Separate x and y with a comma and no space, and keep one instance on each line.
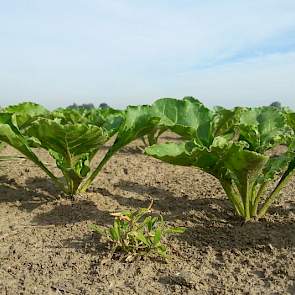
(59,52)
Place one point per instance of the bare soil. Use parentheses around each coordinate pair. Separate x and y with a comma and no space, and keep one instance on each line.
(46,246)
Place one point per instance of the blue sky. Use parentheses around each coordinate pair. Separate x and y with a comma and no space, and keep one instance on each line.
(133,52)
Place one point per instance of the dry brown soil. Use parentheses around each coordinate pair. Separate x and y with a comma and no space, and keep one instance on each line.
(46,246)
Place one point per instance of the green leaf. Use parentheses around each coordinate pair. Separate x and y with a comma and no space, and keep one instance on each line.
(26,113)
(108,118)
(173,153)
(264,127)
(138,121)
(10,134)
(245,166)
(99,116)
(71,145)
(291,120)
(226,121)
(141,237)
(162,250)
(96,228)
(69,116)
(115,231)
(69,140)
(158,236)
(274,166)
(187,117)
(112,123)
(192,154)
(177,230)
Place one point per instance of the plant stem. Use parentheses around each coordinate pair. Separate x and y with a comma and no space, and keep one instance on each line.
(285,178)
(247,202)
(234,197)
(39,163)
(144,142)
(152,139)
(257,199)
(90,179)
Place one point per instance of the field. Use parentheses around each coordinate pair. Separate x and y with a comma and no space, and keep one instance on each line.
(46,246)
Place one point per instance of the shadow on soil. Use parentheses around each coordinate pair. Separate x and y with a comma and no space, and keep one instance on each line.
(132,150)
(74,212)
(35,193)
(210,221)
(88,244)
(173,280)
(43,184)
(66,212)
(172,206)
(263,235)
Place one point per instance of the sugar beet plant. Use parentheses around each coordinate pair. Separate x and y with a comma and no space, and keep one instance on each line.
(236,146)
(73,139)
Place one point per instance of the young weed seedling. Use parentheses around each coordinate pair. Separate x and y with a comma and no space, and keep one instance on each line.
(138,233)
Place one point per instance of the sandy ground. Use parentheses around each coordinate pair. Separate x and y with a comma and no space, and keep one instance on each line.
(46,246)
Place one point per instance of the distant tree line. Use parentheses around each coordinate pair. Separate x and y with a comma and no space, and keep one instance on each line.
(276,104)
(87,106)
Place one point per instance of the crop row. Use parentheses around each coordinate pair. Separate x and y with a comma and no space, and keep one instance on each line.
(251,151)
